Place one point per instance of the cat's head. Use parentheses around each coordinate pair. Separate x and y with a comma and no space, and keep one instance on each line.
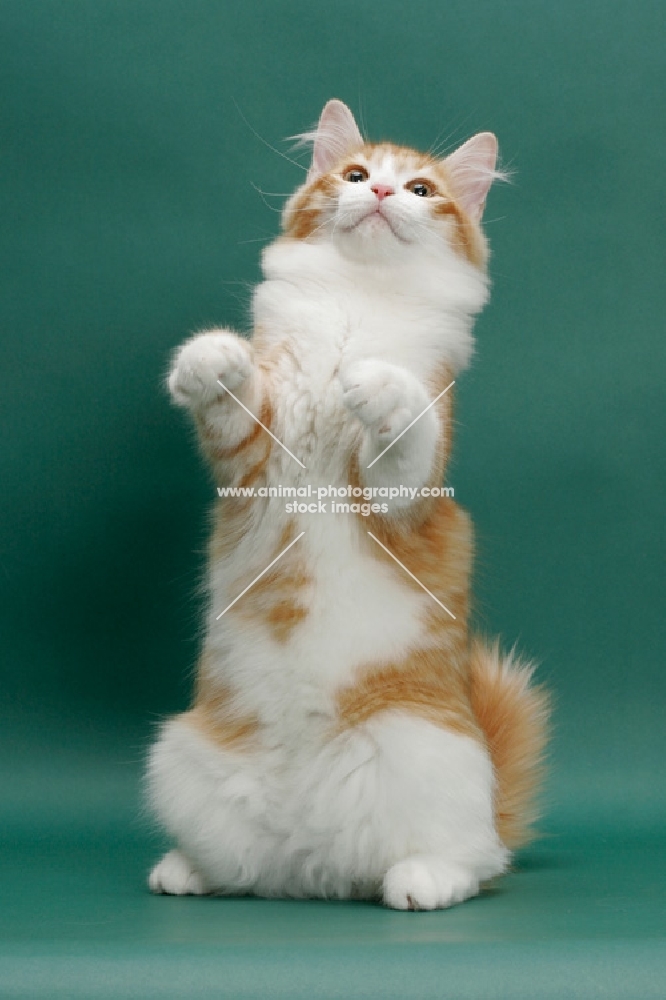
(378,200)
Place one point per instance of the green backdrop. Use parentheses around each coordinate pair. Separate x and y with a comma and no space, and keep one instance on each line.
(129,156)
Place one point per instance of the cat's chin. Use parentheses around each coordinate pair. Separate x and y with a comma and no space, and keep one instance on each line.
(358,248)
(374,238)
(375,225)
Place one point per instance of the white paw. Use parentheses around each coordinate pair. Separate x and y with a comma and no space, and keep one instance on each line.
(175,876)
(384,397)
(205,361)
(426,884)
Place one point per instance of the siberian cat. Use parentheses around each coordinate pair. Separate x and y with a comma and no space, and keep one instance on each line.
(347,737)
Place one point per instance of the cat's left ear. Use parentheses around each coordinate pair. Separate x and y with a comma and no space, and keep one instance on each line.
(472,171)
(336,135)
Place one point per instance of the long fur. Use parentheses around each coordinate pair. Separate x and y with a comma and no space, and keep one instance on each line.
(346,737)
(513,714)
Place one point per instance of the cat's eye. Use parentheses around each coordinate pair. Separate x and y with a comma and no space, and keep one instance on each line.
(422,189)
(355,174)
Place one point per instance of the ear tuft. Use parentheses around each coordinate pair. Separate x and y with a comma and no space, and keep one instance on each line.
(336,135)
(472,171)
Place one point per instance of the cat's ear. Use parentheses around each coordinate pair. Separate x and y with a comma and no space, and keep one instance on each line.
(336,135)
(472,171)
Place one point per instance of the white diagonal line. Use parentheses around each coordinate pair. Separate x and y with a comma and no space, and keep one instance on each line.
(410,425)
(277,440)
(412,576)
(263,572)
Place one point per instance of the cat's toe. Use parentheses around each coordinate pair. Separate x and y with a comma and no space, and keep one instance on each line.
(375,392)
(175,876)
(206,361)
(410,886)
(395,423)
(426,884)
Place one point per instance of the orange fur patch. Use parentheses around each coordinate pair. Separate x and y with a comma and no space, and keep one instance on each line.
(278,599)
(229,732)
(225,454)
(214,715)
(427,683)
(255,436)
(437,550)
(247,462)
(306,213)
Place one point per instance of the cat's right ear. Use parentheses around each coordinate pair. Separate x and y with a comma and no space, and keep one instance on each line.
(472,170)
(336,135)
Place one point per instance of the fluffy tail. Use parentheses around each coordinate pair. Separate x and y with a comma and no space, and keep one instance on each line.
(514,717)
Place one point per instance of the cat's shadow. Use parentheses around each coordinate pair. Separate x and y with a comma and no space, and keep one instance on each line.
(542,856)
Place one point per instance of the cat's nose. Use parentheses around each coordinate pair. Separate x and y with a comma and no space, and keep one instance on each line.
(382,190)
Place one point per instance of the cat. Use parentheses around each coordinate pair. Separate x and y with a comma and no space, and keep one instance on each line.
(347,737)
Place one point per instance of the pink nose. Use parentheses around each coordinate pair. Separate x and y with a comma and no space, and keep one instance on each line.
(382,190)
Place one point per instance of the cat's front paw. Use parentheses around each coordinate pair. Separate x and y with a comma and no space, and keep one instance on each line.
(426,883)
(175,876)
(384,397)
(205,361)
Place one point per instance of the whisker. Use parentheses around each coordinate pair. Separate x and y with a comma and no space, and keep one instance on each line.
(261,195)
(265,141)
(326,222)
(271,194)
(363,129)
(258,239)
(444,144)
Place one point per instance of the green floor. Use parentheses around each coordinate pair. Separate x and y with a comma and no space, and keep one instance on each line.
(584,915)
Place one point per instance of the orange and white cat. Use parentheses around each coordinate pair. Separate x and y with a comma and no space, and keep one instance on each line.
(347,737)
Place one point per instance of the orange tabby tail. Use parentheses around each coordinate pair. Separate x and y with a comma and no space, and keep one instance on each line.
(514,718)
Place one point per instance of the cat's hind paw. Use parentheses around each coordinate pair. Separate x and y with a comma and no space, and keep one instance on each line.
(426,883)
(175,876)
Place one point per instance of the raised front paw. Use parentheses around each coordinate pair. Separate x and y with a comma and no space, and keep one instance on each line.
(203,362)
(383,396)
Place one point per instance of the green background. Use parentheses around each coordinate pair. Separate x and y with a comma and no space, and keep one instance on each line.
(128,166)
